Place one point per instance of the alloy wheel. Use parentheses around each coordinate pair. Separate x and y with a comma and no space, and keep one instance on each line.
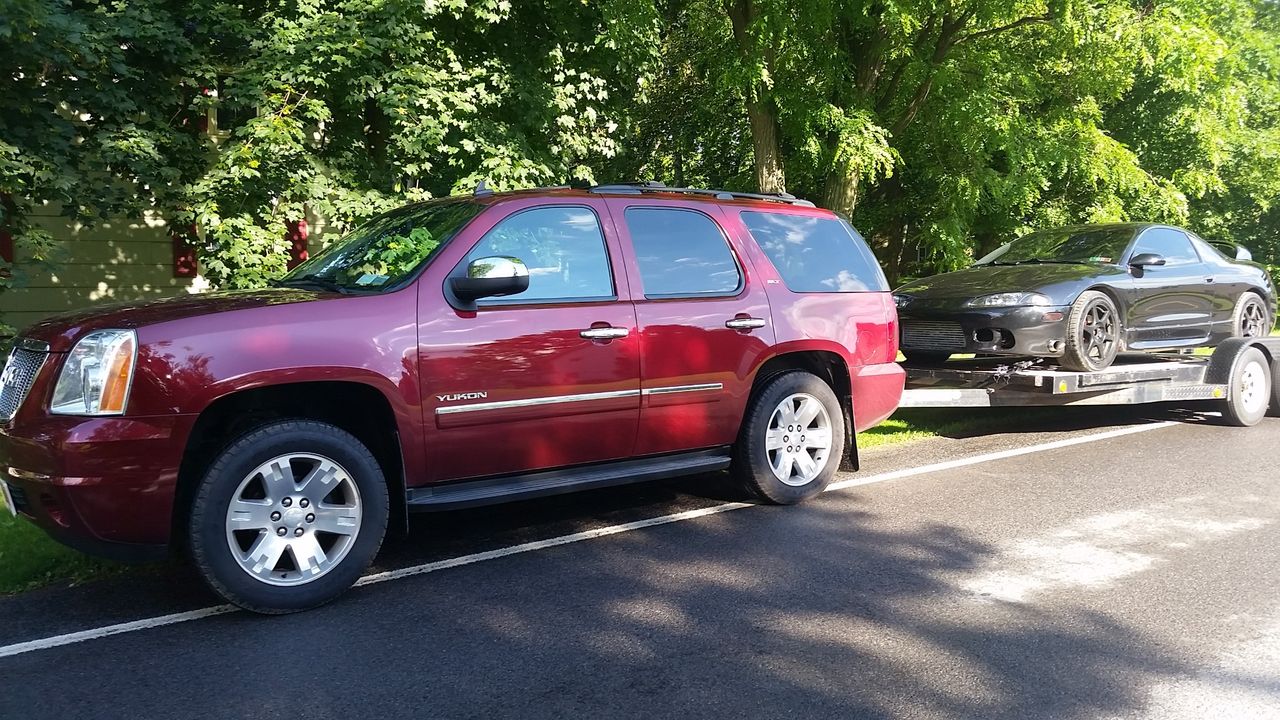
(1253,321)
(293,519)
(798,439)
(1098,332)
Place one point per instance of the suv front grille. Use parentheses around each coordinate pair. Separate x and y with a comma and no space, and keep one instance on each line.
(16,380)
(20,502)
(932,335)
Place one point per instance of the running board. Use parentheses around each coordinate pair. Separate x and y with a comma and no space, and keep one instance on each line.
(474,493)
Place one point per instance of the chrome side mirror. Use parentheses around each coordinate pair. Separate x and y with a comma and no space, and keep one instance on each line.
(1242,253)
(491,277)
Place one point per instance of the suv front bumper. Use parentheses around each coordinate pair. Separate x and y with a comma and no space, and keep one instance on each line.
(100,485)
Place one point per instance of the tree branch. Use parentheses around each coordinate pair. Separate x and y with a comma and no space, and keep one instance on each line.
(1029,20)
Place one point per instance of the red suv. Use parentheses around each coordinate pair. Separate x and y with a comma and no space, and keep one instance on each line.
(450,354)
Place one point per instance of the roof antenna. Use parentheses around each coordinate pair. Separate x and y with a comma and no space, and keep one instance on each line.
(482,189)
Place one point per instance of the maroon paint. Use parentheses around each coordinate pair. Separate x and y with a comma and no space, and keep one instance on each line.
(114,479)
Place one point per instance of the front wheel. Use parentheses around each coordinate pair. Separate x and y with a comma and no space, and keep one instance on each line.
(792,441)
(1093,333)
(288,517)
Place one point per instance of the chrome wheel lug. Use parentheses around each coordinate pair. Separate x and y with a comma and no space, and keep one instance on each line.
(304,502)
(311,518)
(275,516)
(286,502)
(281,531)
(298,532)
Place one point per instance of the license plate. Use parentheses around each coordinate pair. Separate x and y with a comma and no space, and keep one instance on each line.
(8,499)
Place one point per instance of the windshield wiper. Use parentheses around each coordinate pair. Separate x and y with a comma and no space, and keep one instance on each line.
(322,283)
(1038,261)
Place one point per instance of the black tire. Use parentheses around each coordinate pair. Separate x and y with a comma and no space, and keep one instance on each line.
(1249,392)
(208,535)
(751,458)
(1093,333)
(925,357)
(1252,317)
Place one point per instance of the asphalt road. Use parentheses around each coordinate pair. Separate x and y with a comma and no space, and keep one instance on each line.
(1130,576)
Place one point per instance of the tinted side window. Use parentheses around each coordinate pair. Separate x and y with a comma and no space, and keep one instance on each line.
(1172,244)
(681,253)
(563,247)
(816,254)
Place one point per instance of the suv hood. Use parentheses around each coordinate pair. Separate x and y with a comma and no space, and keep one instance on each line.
(62,331)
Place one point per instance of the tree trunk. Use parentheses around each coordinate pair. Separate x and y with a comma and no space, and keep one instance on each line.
(840,193)
(770,177)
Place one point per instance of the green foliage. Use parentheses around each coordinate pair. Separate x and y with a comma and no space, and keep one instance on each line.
(943,127)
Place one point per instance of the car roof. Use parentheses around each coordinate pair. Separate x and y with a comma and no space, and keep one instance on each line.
(649,189)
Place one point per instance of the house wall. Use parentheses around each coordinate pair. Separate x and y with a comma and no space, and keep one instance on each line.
(110,261)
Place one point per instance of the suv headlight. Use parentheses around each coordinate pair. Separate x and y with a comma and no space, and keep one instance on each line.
(1015,299)
(96,375)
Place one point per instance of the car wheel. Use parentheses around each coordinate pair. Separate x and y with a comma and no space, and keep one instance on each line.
(1251,317)
(1093,332)
(792,441)
(1249,394)
(925,357)
(288,516)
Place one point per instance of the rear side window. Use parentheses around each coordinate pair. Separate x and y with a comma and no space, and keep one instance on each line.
(816,254)
(681,253)
(1170,244)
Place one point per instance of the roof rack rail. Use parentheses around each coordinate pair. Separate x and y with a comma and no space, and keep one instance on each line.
(655,186)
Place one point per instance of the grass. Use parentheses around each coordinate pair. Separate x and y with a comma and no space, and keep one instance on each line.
(29,558)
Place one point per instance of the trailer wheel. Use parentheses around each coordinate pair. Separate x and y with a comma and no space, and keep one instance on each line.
(1274,409)
(1250,389)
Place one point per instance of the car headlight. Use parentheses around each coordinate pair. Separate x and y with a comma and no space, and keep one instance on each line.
(96,375)
(902,300)
(1015,299)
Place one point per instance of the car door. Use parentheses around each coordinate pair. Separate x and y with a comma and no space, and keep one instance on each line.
(546,378)
(703,320)
(1169,305)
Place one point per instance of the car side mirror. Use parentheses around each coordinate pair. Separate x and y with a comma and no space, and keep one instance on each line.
(1242,253)
(1142,260)
(491,277)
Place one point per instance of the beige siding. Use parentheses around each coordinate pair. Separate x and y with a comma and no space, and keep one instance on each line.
(110,261)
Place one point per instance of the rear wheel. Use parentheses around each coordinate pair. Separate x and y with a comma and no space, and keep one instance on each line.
(792,441)
(1093,333)
(1250,391)
(1251,317)
(288,517)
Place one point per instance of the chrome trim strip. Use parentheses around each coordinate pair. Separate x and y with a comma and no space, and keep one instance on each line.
(33,345)
(17,474)
(682,389)
(533,402)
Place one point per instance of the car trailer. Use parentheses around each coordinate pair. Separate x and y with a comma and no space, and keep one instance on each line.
(1242,377)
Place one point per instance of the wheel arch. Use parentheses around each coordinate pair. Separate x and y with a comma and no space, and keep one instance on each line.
(356,407)
(827,364)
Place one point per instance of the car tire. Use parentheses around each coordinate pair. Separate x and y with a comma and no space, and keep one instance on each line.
(768,458)
(1251,317)
(322,530)
(1093,333)
(1249,394)
(925,357)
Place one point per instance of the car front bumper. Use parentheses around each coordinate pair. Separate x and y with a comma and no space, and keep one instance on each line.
(1039,331)
(100,485)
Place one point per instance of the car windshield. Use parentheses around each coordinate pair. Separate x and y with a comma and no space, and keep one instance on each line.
(386,250)
(1063,245)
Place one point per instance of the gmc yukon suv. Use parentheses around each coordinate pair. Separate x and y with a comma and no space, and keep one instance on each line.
(450,354)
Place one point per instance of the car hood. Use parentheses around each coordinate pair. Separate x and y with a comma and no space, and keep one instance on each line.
(62,331)
(1060,281)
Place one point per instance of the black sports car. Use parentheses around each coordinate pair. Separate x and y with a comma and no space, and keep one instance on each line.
(1085,293)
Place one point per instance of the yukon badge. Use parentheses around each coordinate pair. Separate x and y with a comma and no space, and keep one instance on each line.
(462,396)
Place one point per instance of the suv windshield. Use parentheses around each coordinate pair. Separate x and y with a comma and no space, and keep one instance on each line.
(1064,245)
(387,249)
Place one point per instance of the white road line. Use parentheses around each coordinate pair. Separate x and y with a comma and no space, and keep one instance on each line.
(135,626)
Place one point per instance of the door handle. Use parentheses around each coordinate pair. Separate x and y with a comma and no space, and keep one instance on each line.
(1208,279)
(604,333)
(744,323)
